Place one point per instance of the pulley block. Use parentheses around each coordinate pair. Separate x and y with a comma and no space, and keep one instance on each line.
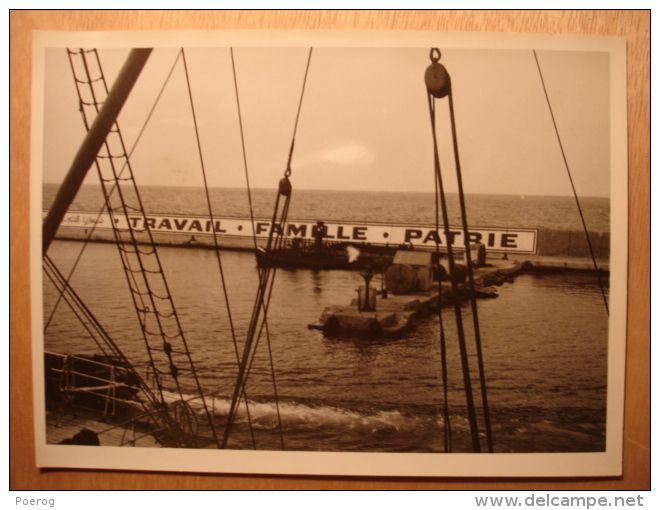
(285,187)
(437,79)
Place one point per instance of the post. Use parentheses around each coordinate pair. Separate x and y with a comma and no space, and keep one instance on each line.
(366,305)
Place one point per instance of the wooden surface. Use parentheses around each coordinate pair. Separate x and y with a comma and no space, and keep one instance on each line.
(634,25)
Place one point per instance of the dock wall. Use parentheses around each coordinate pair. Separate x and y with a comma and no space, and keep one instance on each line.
(550,243)
(573,244)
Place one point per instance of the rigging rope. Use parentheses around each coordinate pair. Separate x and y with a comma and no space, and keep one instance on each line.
(91,323)
(266,282)
(439,86)
(570,178)
(210,210)
(240,125)
(254,237)
(168,365)
(266,279)
(468,261)
(443,344)
(472,418)
(447,441)
(102,209)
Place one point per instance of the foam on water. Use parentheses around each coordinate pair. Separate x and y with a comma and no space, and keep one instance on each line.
(294,415)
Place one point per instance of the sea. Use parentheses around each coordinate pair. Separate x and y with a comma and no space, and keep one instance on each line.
(544,339)
(495,211)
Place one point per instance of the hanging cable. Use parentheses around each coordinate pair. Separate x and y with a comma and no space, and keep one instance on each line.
(570,178)
(210,210)
(266,281)
(245,165)
(249,194)
(272,246)
(468,261)
(208,203)
(438,85)
(266,277)
(447,441)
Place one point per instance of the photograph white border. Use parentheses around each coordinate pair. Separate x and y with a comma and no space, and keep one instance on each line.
(608,463)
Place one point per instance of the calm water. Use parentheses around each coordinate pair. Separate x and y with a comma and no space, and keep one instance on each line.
(544,339)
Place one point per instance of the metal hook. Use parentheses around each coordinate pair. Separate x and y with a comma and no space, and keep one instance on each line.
(435,51)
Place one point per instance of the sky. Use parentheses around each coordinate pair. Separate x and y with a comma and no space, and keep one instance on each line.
(364,121)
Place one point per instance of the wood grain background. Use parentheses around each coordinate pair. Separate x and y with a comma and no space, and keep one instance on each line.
(634,25)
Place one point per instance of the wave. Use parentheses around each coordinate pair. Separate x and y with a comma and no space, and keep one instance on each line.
(267,415)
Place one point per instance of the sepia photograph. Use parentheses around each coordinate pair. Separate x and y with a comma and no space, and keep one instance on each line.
(329,253)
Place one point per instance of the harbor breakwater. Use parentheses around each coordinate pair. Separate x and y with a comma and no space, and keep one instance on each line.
(235,233)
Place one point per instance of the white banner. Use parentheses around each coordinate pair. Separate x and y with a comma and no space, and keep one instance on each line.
(495,239)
